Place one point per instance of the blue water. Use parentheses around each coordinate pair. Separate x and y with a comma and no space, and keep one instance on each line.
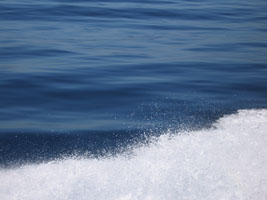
(93,77)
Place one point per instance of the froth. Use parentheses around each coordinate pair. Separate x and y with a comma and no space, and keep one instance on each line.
(228,161)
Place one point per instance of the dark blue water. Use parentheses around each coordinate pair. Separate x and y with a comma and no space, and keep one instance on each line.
(92,77)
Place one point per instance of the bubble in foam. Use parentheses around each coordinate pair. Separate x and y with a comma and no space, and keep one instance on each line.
(228,161)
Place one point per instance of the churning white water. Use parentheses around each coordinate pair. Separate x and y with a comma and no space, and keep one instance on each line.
(227,162)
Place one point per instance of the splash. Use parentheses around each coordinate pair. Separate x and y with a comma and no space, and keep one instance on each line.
(227,162)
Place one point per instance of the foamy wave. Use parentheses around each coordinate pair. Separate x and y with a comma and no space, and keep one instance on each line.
(228,161)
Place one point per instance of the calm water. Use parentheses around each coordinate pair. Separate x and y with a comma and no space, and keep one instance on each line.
(93,77)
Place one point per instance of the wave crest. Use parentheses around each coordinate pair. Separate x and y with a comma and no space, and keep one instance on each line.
(227,161)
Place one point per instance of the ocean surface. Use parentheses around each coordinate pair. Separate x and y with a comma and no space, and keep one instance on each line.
(133,100)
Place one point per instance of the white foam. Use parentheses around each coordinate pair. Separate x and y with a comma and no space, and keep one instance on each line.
(228,161)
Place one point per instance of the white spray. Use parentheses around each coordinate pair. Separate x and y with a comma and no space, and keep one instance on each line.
(226,162)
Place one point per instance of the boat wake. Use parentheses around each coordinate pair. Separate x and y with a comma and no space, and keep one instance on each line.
(227,161)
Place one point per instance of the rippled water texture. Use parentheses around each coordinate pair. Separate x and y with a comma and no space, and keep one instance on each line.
(95,80)
(132,100)
(115,65)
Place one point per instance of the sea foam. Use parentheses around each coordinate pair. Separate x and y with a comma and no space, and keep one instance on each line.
(226,162)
